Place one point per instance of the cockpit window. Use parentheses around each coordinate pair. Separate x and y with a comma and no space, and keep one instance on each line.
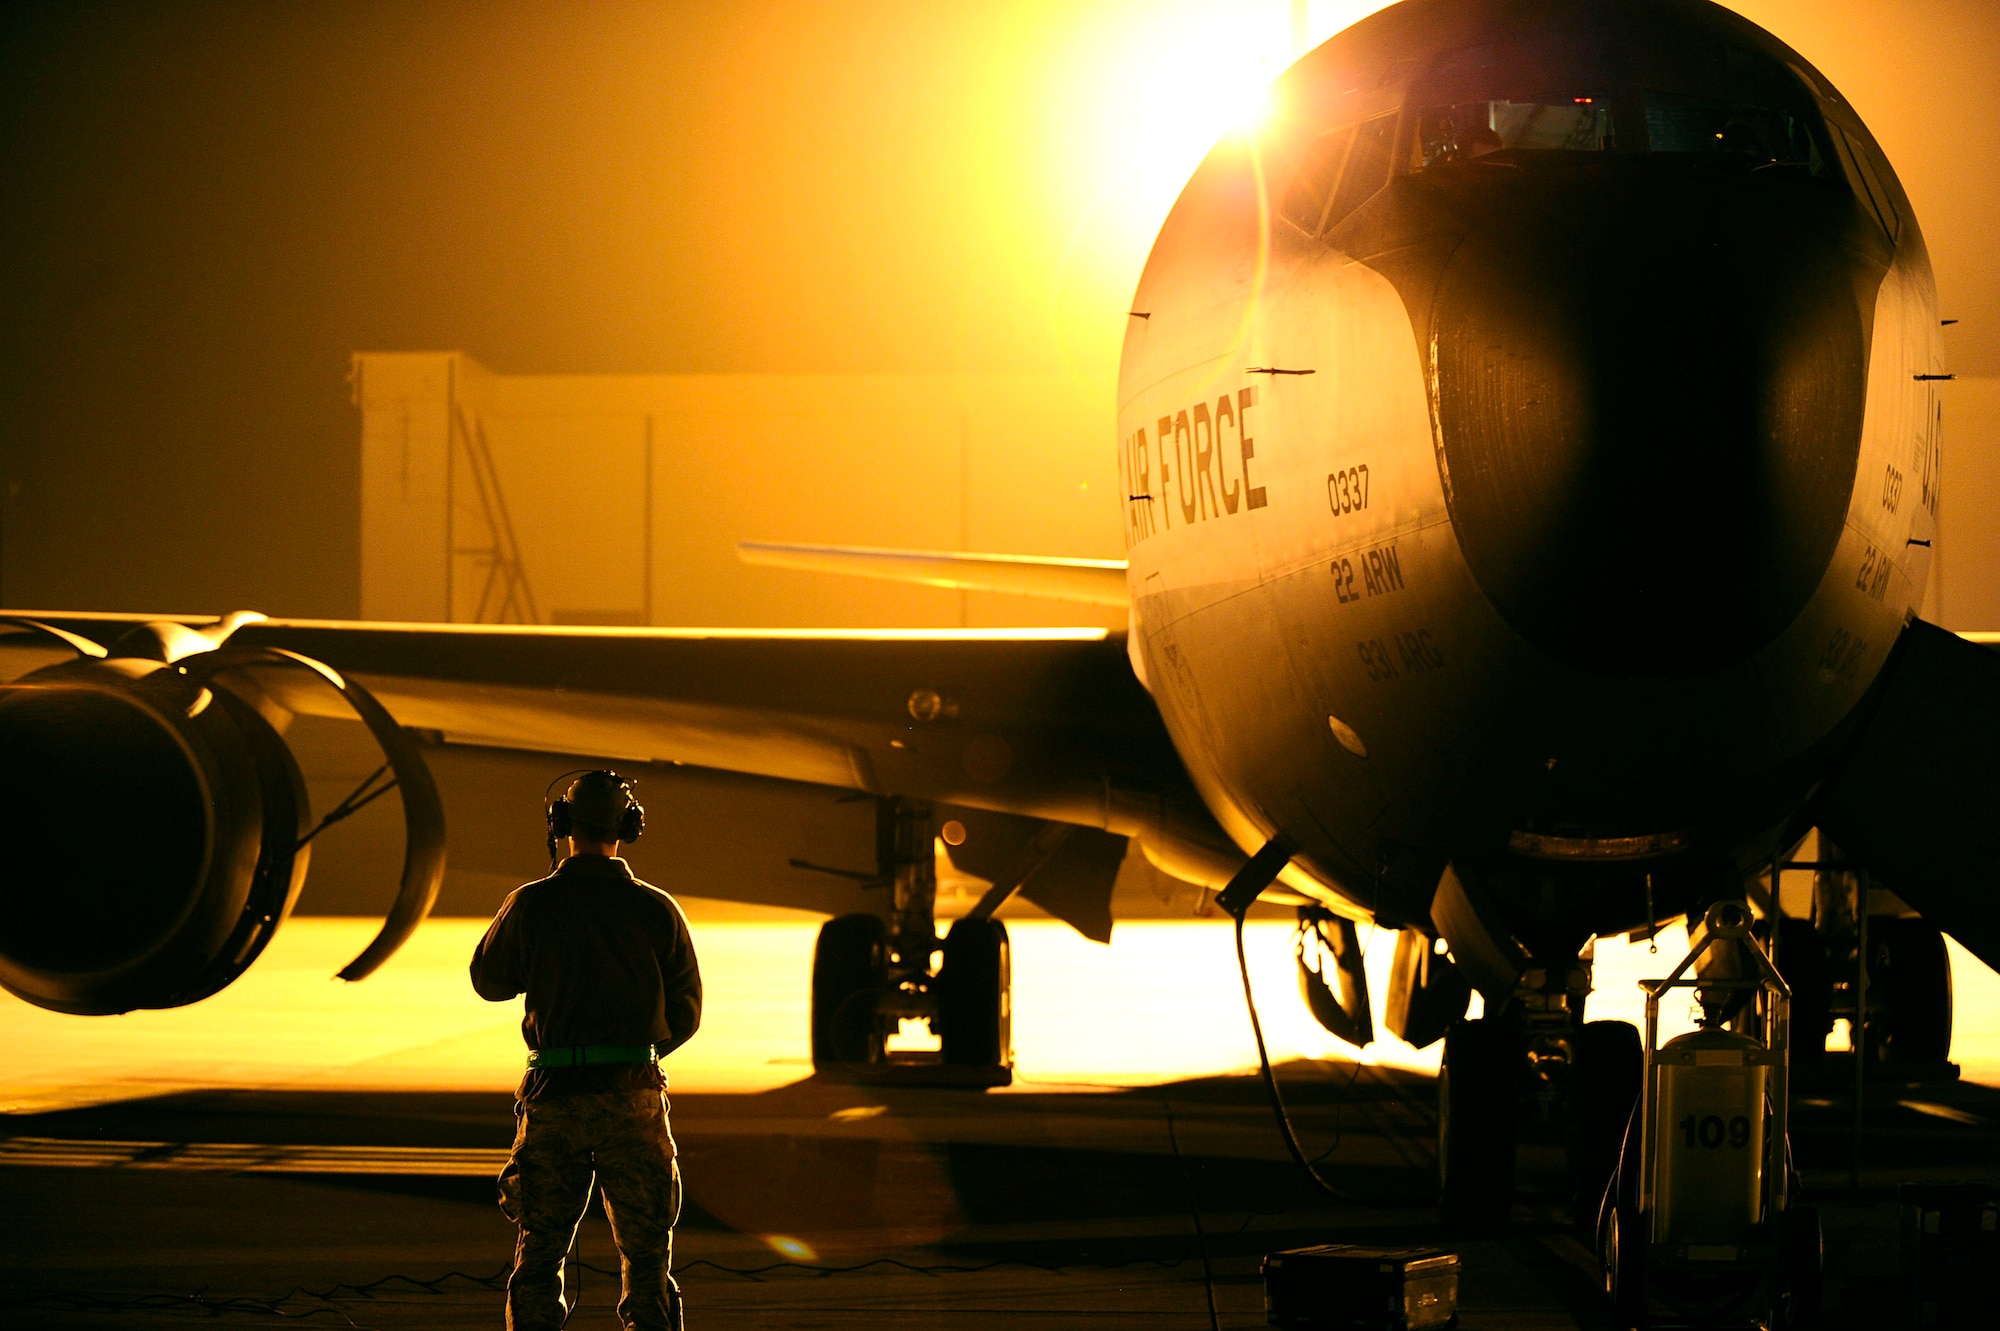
(1319,171)
(1340,171)
(1862,170)
(1468,131)
(1761,135)
(1367,167)
(1542,98)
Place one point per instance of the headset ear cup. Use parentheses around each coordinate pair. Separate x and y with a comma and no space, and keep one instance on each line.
(559,823)
(632,824)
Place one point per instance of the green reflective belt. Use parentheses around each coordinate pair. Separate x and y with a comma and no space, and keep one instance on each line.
(589,1055)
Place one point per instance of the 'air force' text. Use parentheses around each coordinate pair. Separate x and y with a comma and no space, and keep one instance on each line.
(1202,455)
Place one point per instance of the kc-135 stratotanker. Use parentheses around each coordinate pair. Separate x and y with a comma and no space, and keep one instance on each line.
(1529,446)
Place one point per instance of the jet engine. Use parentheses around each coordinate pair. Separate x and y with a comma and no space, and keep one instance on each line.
(156,824)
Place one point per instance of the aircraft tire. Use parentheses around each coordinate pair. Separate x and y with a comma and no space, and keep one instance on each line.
(850,967)
(1608,1066)
(1477,1092)
(1911,970)
(1621,1228)
(1622,1248)
(1802,960)
(975,1003)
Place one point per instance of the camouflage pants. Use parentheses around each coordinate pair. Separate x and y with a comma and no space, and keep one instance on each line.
(622,1138)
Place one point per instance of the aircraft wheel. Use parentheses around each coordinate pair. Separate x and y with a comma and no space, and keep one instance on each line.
(1621,1235)
(1803,962)
(1804,1270)
(850,968)
(975,1002)
(1477,1090)
(1622,1249)
(1608,1065)
(1909,968)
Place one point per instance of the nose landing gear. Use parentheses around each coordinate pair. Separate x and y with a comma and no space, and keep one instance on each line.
(871,973)
(1478,1096)
(1534,1077)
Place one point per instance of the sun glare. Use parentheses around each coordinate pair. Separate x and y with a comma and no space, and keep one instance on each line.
(1222,86)
(1137,96)
(1209,71)
(1200,71)
(1249,108)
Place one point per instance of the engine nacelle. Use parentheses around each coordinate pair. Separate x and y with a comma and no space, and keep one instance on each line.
(153,828)
(155,823)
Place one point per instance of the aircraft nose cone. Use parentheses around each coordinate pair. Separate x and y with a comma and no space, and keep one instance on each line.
(1649,411)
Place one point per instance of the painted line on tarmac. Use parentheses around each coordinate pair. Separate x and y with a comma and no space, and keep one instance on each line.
(216,1157)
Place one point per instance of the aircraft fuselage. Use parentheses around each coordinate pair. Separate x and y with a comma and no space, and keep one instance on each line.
(1530,459)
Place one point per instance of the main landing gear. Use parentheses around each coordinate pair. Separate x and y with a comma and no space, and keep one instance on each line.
(1903,992)
(870,974)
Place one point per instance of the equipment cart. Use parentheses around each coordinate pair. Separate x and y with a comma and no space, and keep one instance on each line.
(1700,1227)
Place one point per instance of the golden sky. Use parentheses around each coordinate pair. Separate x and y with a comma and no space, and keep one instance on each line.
(208,206)
(969,187)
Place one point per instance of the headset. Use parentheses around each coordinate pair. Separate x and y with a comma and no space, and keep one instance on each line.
(559,811)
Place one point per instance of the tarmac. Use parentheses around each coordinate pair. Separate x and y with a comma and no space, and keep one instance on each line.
(817,1205)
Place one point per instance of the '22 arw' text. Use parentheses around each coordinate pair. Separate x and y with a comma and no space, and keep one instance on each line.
(1202,455)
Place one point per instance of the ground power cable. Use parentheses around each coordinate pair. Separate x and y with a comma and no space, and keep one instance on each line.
(1278,1110)
(1250,1214)
(1194,1210)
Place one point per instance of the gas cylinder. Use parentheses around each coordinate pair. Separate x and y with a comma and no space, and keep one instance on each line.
(1709,1134)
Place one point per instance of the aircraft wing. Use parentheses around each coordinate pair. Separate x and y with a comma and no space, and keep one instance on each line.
(1047,722)
(777,743)
(1915,803)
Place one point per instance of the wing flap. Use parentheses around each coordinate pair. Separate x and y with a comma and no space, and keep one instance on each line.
(1073,882)
(609,725)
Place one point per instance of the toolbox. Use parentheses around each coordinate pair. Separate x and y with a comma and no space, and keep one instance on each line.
(1350,1287)
(1951,1252)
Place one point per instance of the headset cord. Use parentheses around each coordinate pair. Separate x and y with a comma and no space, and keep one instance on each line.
(1271,1079)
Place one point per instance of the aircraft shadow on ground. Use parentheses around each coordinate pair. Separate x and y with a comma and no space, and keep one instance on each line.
(1083,1173)
(1041,1175)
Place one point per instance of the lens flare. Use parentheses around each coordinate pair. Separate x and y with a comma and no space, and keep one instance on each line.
(789,1248)
(1136,97)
